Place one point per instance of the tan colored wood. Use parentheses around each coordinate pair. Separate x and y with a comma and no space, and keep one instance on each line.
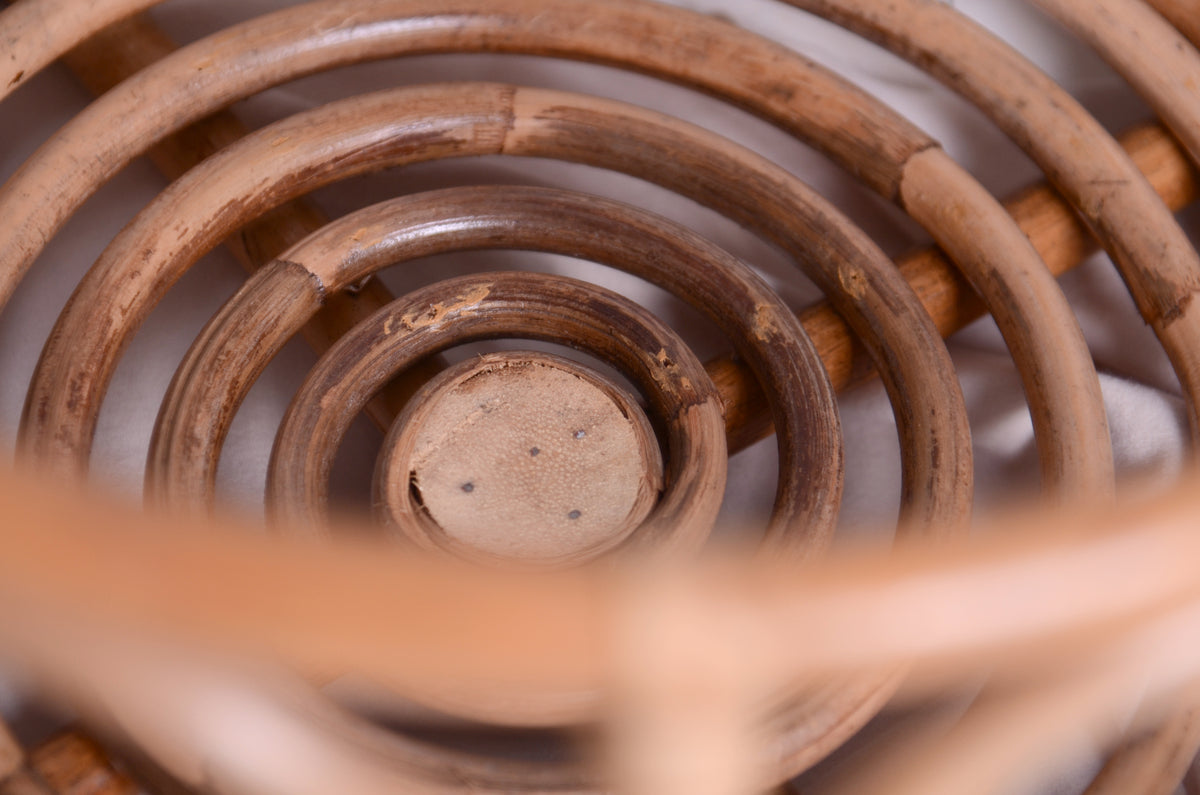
(1078,437)
(531,306)
(1165,69)
(124,49)
(71,763)
(1144,49)
(918,159)
(12,755)
(1062,240)
(946,493)
(1183,14)
(1011,575)
(254,324)
(520,456)
(38,32)
(1042,334)
(1087,428)
(24,782)
(1154,763)
(1157,261)
(527,306)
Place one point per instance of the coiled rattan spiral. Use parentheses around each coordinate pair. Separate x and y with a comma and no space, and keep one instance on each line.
(318,277)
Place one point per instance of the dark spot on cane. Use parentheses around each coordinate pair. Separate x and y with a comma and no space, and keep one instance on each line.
(579,434)
(468,487)
(574,515)
(534,451)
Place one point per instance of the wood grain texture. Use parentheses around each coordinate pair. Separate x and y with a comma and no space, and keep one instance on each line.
(1086,429)
(1165,69)
(528,306)
(475,217)
(125,48)
(12,755)
(513,217)
(1183,14)
(72,763)
(1157,261)
(940,494)
(1010,574)
(1038,326)
(1155,58)
(745,69)
(38,32)
(520,456)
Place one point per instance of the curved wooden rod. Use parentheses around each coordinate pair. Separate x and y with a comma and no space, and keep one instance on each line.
(776,200)
(69,763)
(551,111)
(520,305)
(38,32)
(717,173)
(511,305)
(125,48)
(1041,332)
(237,345)
(1145,50)
(1159,265)
(1027,591)
(491,109)
(1040,212)
(870,140)
(1053,580)
(261,316)
(1050,225)
(1165,69)
(372,132)
(1183,14)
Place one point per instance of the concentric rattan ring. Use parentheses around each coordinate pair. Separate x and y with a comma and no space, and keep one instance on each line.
(529,306)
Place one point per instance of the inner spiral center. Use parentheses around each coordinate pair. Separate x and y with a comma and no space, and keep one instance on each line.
(528,457)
